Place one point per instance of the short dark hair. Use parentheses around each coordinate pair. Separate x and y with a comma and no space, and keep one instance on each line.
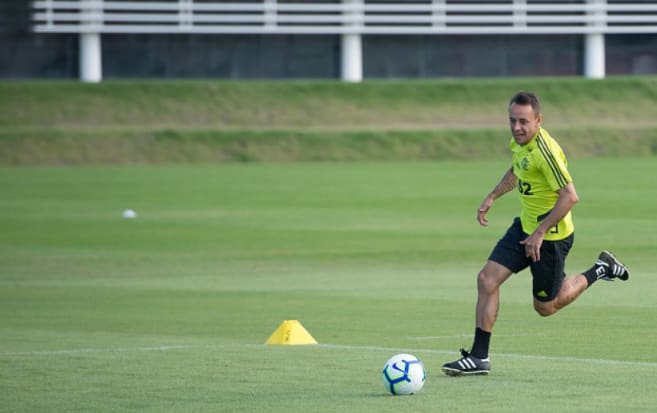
(527,98)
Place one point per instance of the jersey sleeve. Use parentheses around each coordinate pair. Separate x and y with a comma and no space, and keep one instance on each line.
(554,166)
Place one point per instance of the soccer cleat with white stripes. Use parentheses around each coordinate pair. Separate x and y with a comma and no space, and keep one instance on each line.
(467,365)
(611,268)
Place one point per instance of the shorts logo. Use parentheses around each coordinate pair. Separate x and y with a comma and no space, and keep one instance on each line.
(542,294)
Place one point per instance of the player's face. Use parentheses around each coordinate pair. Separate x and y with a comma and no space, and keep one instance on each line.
(524,123)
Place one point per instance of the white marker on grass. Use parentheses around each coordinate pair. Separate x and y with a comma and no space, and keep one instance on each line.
(129,213)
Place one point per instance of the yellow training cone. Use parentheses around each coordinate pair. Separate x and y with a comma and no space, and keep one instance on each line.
(291,332)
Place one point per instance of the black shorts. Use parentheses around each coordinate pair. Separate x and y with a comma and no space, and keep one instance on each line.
(548,273)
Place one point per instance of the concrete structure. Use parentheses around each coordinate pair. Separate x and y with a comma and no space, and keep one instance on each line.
(350,19)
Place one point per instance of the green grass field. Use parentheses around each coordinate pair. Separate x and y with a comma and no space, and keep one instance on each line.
(169,312)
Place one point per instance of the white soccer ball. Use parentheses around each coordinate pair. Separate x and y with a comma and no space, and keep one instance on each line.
(404,374)
(129,214)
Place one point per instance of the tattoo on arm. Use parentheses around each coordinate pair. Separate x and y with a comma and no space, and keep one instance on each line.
(508,183)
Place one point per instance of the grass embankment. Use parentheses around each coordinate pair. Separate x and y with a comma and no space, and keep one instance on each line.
(206,121)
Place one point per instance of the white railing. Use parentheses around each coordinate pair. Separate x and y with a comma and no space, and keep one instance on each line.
(344,17)
(350,19)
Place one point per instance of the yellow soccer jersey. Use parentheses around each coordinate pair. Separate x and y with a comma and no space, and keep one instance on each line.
(542,169)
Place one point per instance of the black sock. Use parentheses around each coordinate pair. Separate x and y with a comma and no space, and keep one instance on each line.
(592,274)
(481,344)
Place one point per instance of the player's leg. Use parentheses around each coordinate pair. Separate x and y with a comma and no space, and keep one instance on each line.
(476,361)
(551,288)
(571,288)
(507,257)
(552,291)
(549,276)
(489,281)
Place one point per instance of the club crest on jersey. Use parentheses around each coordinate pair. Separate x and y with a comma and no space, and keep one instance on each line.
(524,164)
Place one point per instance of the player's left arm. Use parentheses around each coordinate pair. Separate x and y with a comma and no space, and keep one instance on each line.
(566,201)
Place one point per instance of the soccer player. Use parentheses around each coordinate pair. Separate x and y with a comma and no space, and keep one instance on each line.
(539,239)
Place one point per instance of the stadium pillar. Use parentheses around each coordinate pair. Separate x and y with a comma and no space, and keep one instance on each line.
(351,46)
(594,60)
(594,43)
(90,58)
(352,58)
(91,12)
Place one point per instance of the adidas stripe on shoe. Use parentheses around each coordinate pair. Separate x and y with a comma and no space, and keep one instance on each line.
(467,365)
(611,267)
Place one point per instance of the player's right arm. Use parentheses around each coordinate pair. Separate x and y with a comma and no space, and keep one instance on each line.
(508,183)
